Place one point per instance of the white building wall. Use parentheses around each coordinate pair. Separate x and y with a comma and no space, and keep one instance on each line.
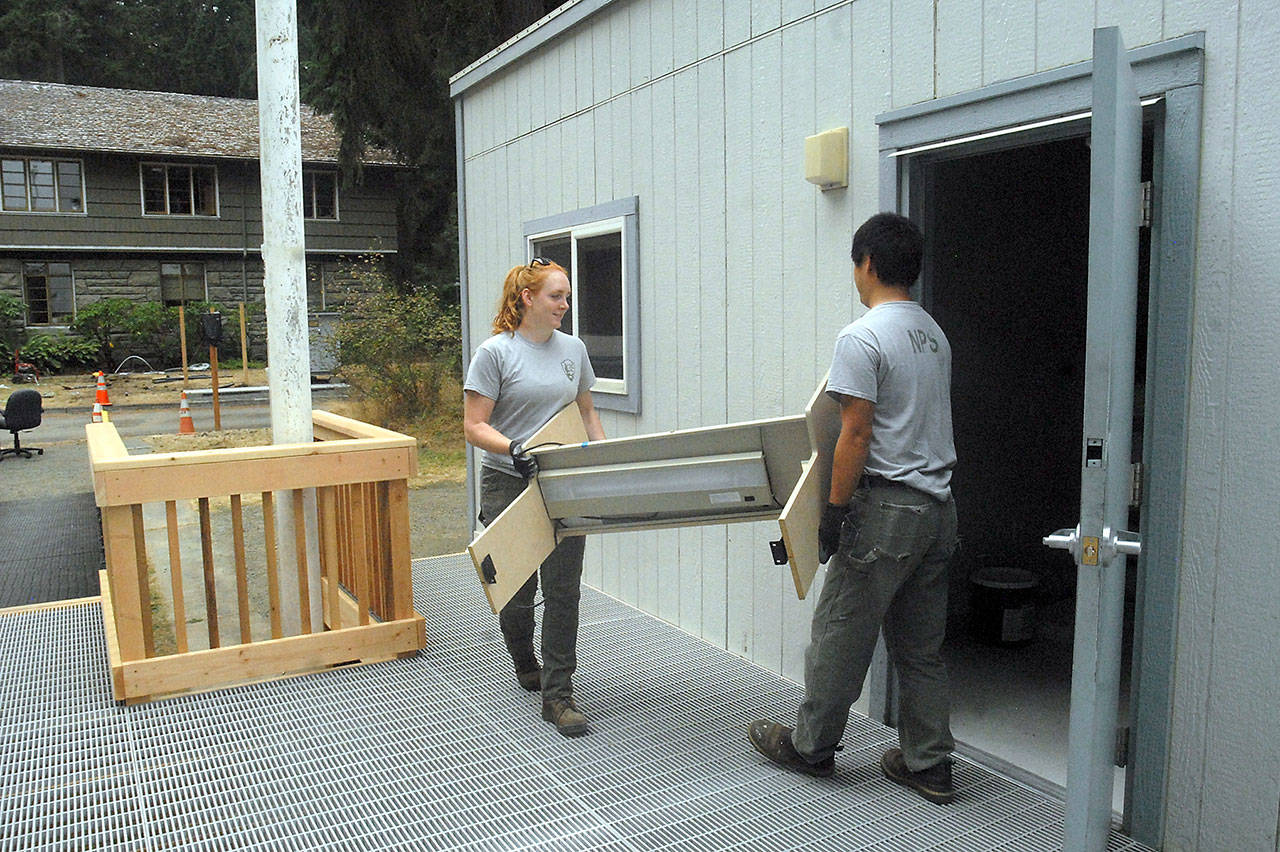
(701,109)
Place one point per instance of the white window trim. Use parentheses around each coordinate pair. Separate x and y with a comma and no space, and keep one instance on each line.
(337,196)
(217,190)
(615,225)
(612,395)
(84,199)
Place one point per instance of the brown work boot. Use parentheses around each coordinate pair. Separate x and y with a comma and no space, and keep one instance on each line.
(774,742)
(565,715)
(933,783)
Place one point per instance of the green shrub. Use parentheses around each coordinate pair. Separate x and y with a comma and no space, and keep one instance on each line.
(13,315)
(98,322)
(396,348)
(54,353)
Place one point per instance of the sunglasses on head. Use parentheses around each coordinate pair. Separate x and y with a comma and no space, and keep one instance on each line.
(539,261)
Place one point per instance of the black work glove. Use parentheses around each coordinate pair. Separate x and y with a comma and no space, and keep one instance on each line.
(829,531)
(526,465)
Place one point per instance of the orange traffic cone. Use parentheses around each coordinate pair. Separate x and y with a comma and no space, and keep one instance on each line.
(102,389)
(185,425)
(96,417)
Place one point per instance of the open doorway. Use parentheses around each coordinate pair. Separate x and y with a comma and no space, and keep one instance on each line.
(1006,276)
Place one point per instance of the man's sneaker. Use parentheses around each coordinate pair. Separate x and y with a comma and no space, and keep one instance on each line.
(774,742)
(933,783)
(564,714)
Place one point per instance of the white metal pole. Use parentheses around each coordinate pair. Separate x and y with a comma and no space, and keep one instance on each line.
(284,259)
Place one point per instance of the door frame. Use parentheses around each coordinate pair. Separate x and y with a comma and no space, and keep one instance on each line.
(1171,71)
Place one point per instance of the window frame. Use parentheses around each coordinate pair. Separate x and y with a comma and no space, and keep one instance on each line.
(190,168)
(54,162)
(309,176)
(26,298)
(619,216)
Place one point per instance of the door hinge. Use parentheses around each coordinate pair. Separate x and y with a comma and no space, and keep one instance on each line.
(1135,485)
(1147,193)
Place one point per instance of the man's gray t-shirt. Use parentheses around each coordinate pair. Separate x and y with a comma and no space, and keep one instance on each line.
(896,356)
(528,382)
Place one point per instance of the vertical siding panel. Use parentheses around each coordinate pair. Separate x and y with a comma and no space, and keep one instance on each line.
(684,34)
(710,28)
(548,109)
(598,31)
(1008,39)
(799,283)
(645,594)
(737,22)
(640,48)
(619,50)
(1246,625)
(793,10)
(688,349)
(911,34)
(586,133)
(958,47)
(601,141)
(834,214)
(714,295)
(584,70)
(766,16)
(662,37)
(1139,20)
(567,56)
(661,384)
(1064,32)
(739,317)
(768,331)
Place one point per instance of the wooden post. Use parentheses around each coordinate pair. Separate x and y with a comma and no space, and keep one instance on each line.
(244,350)
(213,372)
(182,337)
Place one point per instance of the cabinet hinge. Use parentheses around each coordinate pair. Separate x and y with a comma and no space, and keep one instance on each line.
(1135,485)
(1147,193)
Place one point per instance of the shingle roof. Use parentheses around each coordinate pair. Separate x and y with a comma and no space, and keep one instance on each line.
(87,118)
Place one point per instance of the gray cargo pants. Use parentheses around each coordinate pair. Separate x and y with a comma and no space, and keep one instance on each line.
(891,569)
(561,590)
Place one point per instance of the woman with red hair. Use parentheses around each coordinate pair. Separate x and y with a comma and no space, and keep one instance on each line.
(519,379)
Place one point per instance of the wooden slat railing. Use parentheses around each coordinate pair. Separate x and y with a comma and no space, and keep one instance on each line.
(359,474)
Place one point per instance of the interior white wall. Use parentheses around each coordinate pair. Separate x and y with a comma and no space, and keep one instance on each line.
(701,109)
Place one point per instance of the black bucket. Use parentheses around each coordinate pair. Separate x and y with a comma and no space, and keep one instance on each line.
(1002,606)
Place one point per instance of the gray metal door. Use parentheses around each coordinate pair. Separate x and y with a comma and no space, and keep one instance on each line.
(1100,544)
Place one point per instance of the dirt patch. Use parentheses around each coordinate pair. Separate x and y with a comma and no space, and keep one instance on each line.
(79,390)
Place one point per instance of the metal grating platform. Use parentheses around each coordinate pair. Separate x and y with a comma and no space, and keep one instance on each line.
(52,550)
(444,751)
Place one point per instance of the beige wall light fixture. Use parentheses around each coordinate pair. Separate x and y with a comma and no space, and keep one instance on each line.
(826,158)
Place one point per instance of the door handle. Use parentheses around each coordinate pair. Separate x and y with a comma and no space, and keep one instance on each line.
(1068,540)
(1123,542)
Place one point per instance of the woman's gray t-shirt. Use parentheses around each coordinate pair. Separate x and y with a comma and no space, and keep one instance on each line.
(528,382)
(896,356)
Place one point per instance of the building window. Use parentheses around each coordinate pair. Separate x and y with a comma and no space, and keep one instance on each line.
(598,246)
(179,190)
(29,185)
(319,195)
(181,283)
(49,292)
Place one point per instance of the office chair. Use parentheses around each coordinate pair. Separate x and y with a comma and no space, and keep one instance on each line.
(21,412)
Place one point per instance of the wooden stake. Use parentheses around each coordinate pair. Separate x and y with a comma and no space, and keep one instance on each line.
(244,351)
(182,336)
(213,372)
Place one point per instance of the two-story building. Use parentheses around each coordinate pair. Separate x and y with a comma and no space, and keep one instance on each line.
(156,196)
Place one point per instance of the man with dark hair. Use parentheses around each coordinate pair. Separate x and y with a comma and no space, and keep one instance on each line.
(889,527)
